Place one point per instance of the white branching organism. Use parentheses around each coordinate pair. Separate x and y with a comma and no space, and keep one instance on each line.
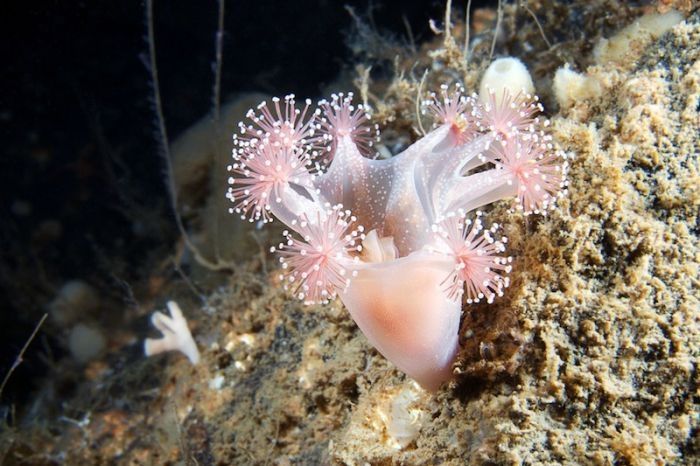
(176,334)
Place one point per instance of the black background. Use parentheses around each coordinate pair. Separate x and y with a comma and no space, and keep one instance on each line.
(72,68)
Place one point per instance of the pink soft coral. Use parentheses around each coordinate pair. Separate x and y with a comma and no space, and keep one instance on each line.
(393,237)
(321,264)
(479,267)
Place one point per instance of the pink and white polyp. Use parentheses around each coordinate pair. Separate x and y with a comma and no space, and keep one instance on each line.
(401,240)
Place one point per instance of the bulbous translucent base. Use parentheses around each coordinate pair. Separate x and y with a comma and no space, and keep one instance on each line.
(402,309)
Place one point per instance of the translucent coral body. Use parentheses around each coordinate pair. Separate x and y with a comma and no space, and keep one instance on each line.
(399,240)
(412,326)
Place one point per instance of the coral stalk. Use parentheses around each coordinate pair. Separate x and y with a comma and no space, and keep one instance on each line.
(397,239)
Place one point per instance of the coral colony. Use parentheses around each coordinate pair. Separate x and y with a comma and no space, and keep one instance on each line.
(401,241)
(176,334)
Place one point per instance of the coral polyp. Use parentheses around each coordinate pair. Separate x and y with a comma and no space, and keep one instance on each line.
(397,239)
(341,118)
(455,109)
(534,167)
(508,114)
(318,266)
(479,267)
(288,127)
(262,174)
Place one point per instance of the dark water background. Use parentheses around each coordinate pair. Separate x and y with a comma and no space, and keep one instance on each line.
(77,127)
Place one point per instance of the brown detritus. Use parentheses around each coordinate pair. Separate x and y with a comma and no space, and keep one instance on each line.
(492,343)
(197,442)
(684,6)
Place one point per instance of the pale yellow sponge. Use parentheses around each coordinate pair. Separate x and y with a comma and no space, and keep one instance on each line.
(509,74)
(628,42)
(570,86)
